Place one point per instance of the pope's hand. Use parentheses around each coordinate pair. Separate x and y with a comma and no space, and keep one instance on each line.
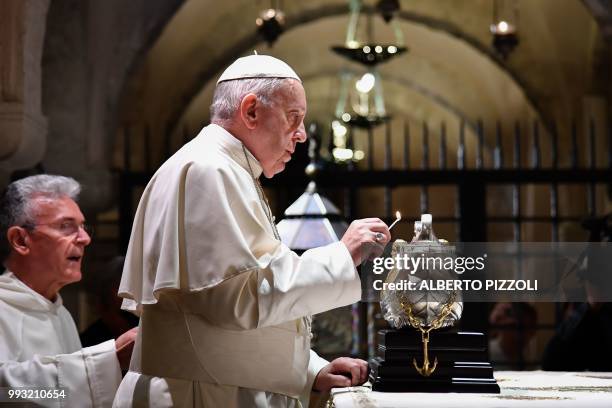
(124,346)
(342,372)
(366,239)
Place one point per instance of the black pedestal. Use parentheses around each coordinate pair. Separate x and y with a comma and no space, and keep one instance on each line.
(463,364)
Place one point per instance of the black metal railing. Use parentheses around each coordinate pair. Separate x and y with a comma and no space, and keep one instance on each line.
(521,167)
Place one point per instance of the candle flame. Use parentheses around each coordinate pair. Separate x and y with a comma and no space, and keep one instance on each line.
(503,27)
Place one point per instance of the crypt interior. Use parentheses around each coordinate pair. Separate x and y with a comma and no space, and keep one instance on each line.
(502,133)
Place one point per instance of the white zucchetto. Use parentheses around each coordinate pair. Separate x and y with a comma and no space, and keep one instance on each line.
(258,66)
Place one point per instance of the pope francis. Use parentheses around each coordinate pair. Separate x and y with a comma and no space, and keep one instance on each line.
(225,307)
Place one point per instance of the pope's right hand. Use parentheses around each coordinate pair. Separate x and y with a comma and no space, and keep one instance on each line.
(366,239)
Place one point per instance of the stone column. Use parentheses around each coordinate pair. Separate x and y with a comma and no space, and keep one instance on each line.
(23,127)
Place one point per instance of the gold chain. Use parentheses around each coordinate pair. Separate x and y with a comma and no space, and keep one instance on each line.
(262,197)
(414,322)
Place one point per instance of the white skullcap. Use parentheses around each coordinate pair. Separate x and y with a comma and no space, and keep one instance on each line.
(258,66)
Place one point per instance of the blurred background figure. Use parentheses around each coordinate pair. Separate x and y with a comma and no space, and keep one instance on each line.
(113,321)
(584,339)
(512,331)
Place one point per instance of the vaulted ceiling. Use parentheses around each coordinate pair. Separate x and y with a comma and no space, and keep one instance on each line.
(449,74)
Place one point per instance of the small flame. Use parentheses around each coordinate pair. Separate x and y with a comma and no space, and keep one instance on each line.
(398,216)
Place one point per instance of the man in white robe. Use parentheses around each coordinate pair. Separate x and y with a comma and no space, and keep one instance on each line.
(43,234)
(225,306)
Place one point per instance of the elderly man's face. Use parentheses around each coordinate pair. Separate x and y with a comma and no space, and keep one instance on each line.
(58,240)
(282,127)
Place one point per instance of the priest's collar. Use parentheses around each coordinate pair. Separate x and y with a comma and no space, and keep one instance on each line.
(233,147)
(16,292)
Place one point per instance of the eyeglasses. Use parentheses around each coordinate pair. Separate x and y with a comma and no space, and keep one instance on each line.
(66,228)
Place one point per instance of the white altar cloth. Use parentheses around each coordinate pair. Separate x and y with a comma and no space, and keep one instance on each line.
(518,389)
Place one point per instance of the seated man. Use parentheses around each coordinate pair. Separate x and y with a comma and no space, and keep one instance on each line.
(43,240)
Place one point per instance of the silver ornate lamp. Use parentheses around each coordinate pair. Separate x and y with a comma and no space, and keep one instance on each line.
(422,322)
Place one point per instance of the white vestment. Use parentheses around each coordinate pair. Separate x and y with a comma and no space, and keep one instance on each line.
(40,347)
(224,305)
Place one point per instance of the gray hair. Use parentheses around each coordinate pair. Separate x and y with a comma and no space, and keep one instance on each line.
(16,207)
(229,94)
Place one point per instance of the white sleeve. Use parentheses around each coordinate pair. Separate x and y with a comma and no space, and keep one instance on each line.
(90,376)
(315,364)
(294,286)
(289,288)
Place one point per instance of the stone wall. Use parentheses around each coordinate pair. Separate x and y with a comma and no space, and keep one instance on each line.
(90,47)
(23,127)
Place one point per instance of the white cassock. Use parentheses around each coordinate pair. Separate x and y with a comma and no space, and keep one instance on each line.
(224,305)
(40,347)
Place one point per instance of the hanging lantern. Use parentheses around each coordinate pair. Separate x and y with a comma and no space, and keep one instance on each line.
(504,26)
(361,101)
(271,23)
(367,51)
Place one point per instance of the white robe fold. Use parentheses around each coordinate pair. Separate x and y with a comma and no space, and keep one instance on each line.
(224,305)
(40,347)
